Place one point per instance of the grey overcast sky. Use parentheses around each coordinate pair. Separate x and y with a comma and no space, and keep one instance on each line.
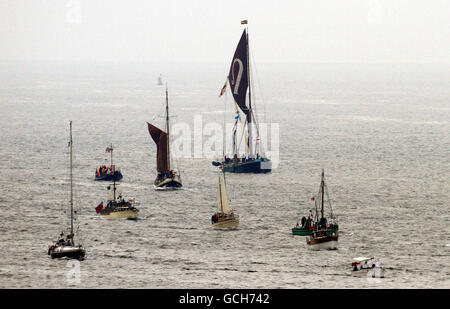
(345,31)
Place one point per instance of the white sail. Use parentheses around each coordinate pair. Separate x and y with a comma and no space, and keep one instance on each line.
(222,198)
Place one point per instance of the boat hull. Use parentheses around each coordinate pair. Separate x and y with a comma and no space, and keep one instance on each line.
(117,176)
(226,224)
(168,184)
(375,272)
(123,214)
(253,166)
(322,243)
(308,232)
(68,252)
(327,245)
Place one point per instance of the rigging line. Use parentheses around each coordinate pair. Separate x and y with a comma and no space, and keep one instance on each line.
(243,128)
(261,96)
(243,135)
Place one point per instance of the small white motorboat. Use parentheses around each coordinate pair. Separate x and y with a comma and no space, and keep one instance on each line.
(367,267)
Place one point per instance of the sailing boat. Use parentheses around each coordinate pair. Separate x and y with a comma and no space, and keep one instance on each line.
(224,217)
(117,207)
(326,233)
(166,178)
(108,173)
(239,80)
(67,247)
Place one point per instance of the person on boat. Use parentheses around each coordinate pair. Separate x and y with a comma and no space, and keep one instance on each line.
(303,221)
(69,240)
(323,222)
(310,215)
(214,218)
(61,241)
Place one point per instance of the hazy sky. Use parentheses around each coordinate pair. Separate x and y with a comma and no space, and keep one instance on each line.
(350,31)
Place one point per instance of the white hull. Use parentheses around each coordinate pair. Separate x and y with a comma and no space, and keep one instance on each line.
(376,272)
(228,224)
(125,214)
(329,245)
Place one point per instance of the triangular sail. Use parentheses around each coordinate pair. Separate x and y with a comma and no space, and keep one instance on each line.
(238,77)
(222,198)
(160,139)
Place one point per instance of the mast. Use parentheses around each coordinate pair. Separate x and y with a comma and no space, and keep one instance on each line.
(71,182)
(114,188)
(220,196)
(322,185)
(112,155)
(249,115)
(167,126)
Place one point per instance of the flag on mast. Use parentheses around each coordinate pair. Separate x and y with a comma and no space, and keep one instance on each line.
(99,207)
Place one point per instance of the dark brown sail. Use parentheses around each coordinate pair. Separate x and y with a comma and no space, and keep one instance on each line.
(160,139)
(238,73)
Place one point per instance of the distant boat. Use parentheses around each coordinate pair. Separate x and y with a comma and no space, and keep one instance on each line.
(239,80)
(160,82)
(67,247)
(166,178)
(224,217)
(367,267)
(326,233)
(117,207)
(108,173)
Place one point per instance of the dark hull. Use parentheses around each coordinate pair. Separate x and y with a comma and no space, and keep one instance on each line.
(108,177)
(315,241)
(307,231)
(76,254)
(168,183)
(253,166)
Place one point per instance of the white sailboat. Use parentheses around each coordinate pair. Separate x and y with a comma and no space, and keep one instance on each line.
(67,247)
(224,217)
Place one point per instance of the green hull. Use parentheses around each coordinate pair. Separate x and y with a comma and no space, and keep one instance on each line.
(307,232)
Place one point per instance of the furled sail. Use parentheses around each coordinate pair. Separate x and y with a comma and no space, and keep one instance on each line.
(160,139)
(238,77)
(222,198)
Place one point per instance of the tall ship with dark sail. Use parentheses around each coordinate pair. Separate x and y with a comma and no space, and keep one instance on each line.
(239,80)
(108,173)
(167,178)
(66,247)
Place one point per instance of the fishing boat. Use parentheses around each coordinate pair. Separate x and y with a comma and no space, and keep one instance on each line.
(225,217)
(308,225)
(67,247)
(326,232)
(166,178)
(108,173)
(254,159)
(117,207)
(367,267)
